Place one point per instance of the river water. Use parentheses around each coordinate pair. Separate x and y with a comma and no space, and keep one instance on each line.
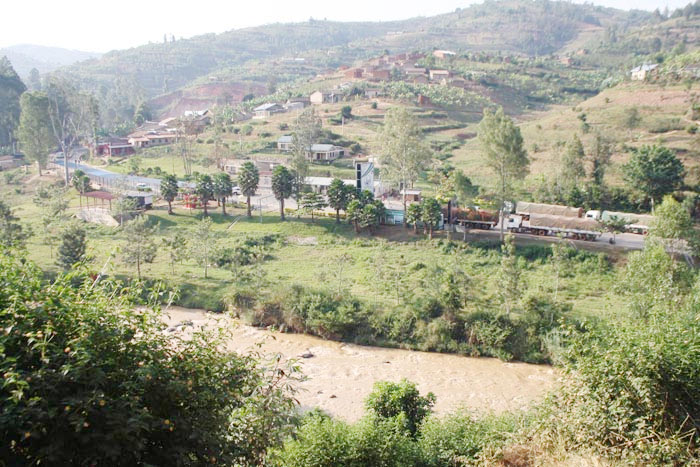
(340,375)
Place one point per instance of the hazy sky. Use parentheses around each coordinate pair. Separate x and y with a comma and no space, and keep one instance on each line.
(100,26)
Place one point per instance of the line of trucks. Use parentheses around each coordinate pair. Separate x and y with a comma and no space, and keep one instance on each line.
(548,219)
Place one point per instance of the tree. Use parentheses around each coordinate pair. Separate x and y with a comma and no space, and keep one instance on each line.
(223,187)
(176,246)
(140,246)
(614,225)
(248,180)
(346,112)
(73,245)
(674,227)
(81,183)
(117,389)
(282,182)
(73,116)
(354,214)
(35,134)
(312,201)
(53,204)
(403,155)
(502,145)
(413,215)
(142,114)
(655,171)
(201,243)
(430,214)
(123,207)
(34,80)
(600,159)
(508,279)
(306,132)
(339,196)
(572,163)
(389,400)
(169,190)
(11,88)
(462,189)
(632,118)
(204,189)
(11,233)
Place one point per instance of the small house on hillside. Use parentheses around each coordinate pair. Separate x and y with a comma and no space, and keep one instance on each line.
(443,54)
(267,110)
(324,152)
(321,184)
(379,75)
(320,97)
(233,166)
(285,143)
(371,93)
(354,73)
(640,73)
(436,75)
(297,103)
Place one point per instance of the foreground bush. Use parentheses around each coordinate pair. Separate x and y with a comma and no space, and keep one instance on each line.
(88,380)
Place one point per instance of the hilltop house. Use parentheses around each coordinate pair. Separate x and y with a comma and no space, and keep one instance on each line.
(354,73)
(153,134)
(297,103)
(320,97)
(267,110)
(324,152)
(371,93)
(640,73)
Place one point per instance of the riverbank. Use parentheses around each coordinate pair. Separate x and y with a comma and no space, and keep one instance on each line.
(341,375)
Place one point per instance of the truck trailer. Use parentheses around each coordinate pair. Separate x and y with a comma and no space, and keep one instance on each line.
(578,228)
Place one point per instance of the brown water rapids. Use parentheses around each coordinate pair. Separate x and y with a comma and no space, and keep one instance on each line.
(340,375)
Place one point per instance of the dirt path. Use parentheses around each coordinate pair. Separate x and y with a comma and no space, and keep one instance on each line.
(340,376)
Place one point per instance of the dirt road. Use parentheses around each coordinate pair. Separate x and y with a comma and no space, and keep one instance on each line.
(340,376)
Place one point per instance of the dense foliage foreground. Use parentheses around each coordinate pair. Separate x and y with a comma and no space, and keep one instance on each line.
(88,381)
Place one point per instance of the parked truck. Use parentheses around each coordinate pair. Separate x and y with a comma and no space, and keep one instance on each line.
(474,218)
(578,228)
(636,223)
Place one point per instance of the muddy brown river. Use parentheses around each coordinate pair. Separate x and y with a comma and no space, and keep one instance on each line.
(340,375)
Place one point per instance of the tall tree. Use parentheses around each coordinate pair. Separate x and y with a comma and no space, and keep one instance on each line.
(305,132)
(53,204)
(430,214)
(503,149)
(81,183)
(403,155)
(312,201)
(673,226)
(35,133)
(204,189)
(11,88)
(142,113)
(169,190)
(354,214)
(248,180)
(508,279)
(73,245)
(74,117)
(339,195)
(600,159)
(655,171)
(413,215)
(11,232)
(223,187)
(572,164)
(140,246)
(201,244)
(282,183)
(34,80)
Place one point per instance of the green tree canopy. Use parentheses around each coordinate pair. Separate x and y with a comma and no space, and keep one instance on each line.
(654,171)
(389,400)
(73,245)
(282,185)
(35,134)
(86,367)
(339,195)
(223,187)
(11,88)
(204,189)
(248,181)
(502,146)
(169,190)
(403,154)
(140,246)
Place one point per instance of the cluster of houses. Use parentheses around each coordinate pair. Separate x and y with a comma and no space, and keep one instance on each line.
(151,134)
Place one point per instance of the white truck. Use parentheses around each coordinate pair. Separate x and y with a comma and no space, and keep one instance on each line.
(578,228)
(637,223)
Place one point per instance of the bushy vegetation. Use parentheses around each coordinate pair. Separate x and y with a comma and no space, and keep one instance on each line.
(89,378)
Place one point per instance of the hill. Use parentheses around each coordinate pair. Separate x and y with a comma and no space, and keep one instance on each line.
(24,57)
(272,54)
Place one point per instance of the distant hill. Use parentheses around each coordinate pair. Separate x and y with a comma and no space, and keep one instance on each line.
(24,57)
